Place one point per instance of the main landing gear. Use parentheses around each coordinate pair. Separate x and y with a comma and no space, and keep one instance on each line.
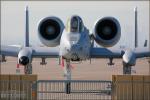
(67,75)
(126,69)
(28,69)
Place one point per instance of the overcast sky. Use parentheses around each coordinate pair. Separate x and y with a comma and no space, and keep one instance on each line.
(13,18)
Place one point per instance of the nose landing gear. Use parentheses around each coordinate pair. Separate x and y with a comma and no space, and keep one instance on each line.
(67,75)
(28,69)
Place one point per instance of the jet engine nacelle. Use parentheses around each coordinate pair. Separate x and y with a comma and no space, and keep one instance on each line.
(107,31)
(50,30)
(24,56)
(129,58)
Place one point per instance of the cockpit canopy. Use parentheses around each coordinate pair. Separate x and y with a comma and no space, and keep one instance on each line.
(75,25)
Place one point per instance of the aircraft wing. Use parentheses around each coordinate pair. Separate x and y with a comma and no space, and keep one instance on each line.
(142,52)
(37,52)
(47,52)
(9,50)
(105,53)
(118,53)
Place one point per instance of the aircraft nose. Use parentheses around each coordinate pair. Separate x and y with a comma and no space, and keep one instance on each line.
(71,48)
(74,56)
(74,47)
(23,60)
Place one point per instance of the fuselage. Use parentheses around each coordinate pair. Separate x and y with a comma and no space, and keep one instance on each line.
(75,41)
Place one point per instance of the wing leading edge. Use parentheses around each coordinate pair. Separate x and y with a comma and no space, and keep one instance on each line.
(118,53)
(9,50)
(46,52)
(37,52)
(105,53)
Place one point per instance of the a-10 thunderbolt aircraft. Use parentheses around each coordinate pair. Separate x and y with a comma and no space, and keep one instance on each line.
(75,43)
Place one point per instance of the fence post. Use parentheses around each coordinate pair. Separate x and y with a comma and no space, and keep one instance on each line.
(34,90)
(67,87)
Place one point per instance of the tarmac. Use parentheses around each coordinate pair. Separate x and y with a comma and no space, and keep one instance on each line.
(97,70)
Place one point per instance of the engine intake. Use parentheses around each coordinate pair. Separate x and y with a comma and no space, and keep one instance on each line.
(107,31)
(24,60)
(50,30)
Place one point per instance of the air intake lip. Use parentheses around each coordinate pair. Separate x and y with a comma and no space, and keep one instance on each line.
(106,29)
(49,29)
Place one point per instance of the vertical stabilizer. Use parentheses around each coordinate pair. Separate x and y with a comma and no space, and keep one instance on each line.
(27,28)
(145,43)
(136,28)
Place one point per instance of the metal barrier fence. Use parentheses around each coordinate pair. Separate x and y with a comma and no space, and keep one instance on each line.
(75,90)
(16,90)
(79,89)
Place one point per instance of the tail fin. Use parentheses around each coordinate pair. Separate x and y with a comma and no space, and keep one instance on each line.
(145,44)
(136,28)
(27,28)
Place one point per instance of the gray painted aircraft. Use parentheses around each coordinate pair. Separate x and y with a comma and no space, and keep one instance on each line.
(76,43)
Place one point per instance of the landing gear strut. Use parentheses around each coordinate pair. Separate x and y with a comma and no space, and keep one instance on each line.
(3,58)
(28,69)
(67,75)
(110,62)
(126,69)
(43,61)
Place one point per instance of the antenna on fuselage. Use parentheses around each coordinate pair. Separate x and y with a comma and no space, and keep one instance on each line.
(136,27)
(26,27)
